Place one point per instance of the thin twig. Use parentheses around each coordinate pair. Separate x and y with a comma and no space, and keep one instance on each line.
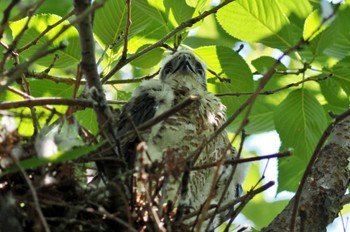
(229,179)
(43,33)
(71,81)
(229,205)
(148,124)
(127,27)
(25,95)
(183,195)
(15,72)
(14,114)
(6,16)
(13,53)
(46,101)
(221,79)
(161,42)
(34,195)
(269,92)
(15,41)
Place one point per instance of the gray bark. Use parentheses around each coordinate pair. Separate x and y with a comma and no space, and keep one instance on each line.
(321,198)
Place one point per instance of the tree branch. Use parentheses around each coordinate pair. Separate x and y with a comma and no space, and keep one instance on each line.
(269,92)
(5,105)
(243,160)
(160,43)
(319,197)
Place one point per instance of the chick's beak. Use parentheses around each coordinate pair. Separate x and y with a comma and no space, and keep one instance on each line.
(184,64)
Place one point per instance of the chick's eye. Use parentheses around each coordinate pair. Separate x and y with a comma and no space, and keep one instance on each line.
(167,68)
(200,71)
(167,71)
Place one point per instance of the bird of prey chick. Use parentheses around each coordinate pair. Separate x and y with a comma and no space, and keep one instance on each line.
(179,142)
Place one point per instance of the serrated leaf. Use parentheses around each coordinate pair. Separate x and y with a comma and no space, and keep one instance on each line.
(60,157)
(269,24)
(300,121)
(38,23)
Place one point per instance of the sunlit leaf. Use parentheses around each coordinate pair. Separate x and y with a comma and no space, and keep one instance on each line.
(300,121)
(313,25)
(179,9)
(253,21)
(198,4)
(67,57)
(208,33)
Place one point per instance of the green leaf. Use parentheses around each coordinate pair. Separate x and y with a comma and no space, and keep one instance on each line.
(296,10)
(46,88)
(261,116)
(38,23)
(264,63)
(198,4)
(341,73)
(209,33)
(341,45)
(269,210)
(258,203)
(149,59)
(266,18)
(179,9)
(227,64)
(60,157)
(333,92)
(87,118)
(313,25)
(52,7)
(110,22)
(323,40)
(300,121)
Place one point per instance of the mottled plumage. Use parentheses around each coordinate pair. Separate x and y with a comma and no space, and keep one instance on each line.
(171,142)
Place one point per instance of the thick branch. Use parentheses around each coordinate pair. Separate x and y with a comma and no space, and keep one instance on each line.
(321,198)
(89,68)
